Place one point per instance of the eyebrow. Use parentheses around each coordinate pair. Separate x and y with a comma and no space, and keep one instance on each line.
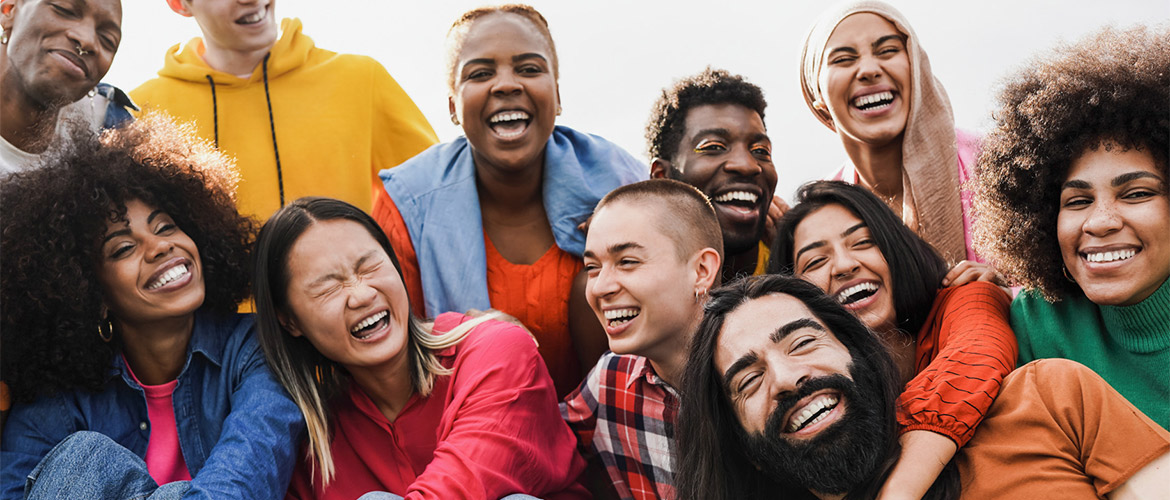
(338,277)
(875,44)
(126,231)
(1117,181)
(743,362)
(516,58)
(818,244)
(722,132)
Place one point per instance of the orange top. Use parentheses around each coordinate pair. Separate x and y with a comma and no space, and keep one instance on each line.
(536,294)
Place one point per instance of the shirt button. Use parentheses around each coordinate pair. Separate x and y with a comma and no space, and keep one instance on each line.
(143,426)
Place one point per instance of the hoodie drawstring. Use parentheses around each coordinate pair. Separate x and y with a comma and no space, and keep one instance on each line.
(214,109)
(272,127)
(271,124)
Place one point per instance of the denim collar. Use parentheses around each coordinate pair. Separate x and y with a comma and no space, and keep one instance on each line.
(207,339)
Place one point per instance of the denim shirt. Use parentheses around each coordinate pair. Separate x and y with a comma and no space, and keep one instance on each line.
(119,107)
(238,429)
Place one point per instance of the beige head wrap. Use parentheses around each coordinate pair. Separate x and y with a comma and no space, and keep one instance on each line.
(929,155)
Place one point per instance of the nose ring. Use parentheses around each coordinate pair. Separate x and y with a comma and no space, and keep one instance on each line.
(81,51)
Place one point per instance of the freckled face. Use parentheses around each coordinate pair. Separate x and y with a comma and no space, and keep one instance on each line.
(865,80)
(1113,223)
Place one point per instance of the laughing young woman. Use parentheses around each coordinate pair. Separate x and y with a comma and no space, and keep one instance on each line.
(490,220)
(458,408)
(1074,202)
(123,264)
(866,77)
(953,346)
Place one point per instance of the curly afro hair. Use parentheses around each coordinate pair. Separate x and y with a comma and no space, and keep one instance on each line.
(1111,90)
(712,86)
(55,216)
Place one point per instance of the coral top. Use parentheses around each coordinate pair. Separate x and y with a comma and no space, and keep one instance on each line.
(488,430)
(965,349)
(536,294)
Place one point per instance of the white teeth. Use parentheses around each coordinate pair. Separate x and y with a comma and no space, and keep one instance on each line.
(802,419)
(369,321)
(866,100)
(1110,256)
(736,196)
(844,295)
(617,317)
(253,18)
(172,274)
(509,116)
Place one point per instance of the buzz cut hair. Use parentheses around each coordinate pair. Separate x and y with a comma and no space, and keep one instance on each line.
(681,212)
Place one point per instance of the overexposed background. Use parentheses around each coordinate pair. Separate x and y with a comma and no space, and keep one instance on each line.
(616,56)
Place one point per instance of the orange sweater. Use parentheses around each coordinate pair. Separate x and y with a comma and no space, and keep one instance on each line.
(965,349)
(537,294)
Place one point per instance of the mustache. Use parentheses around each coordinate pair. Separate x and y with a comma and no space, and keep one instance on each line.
(775,423)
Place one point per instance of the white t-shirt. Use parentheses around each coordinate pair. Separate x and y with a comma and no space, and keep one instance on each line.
(90,110)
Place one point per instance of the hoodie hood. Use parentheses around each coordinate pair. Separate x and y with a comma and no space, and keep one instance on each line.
(185,61)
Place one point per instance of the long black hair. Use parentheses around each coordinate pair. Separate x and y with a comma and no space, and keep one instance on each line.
(916,269)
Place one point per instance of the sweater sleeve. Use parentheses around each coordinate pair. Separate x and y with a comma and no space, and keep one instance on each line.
(400,129)
(501,432)
(964,351)
(386,213)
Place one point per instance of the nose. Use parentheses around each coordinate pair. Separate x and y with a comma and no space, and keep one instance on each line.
(787,375)
(842,264)
(1102,220)
(603,284)
(506,83)
(361,294)
(83,33)
(868,68)
(158,247)
(742,162)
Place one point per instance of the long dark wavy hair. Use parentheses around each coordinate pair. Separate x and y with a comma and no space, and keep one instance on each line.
(916,269)
(55,216)
(709,464)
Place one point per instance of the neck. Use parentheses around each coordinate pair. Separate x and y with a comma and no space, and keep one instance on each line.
(510,191)
(388,386)
(879,167)
(670,358)
(902,348)
(740,264)
(237,62)
(156,351)
(26,124)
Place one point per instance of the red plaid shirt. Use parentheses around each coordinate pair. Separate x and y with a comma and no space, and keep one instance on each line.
(625,414)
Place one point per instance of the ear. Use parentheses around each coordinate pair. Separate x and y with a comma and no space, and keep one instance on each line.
(708,267)
(179,8)
(451,109)
(289,325)
(820,107)
(7,9)
(659,168)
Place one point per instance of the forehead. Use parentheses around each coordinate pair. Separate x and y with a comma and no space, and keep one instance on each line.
(104,11)
(326,243)
(503,34)
(736,119)
(1101,166)
(749,327)
(615,224)
(824,223)
(860,29)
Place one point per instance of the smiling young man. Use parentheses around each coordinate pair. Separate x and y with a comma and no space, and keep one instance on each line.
(789,394)
(708,131)
(300,120)
(51,55)
(647,284)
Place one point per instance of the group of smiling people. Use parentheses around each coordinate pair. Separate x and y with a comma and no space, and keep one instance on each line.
(520,313)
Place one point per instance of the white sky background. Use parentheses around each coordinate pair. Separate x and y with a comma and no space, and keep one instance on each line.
(615,56)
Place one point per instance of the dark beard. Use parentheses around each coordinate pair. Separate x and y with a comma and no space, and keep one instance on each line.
(838,459)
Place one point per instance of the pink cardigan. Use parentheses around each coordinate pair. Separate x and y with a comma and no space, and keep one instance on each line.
(490,429)
(968,147)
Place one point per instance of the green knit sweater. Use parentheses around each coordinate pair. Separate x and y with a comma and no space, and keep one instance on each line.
(1128,346)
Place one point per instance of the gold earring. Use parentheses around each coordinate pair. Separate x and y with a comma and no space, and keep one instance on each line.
(3,37)
(1064,270)
(558,110)
(106,328)
(454,119)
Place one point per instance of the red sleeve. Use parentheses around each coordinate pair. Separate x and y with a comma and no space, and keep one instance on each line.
(579,409)
(964,351)
(386,213)
(501,432)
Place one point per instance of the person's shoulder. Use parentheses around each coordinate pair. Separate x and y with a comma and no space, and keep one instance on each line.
(1031,308)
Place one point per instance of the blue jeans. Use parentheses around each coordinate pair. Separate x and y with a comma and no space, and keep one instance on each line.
(382,495)
(91,465)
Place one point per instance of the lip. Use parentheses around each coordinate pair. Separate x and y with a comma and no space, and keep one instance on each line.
(735,213)
(1083,256)
(615,331)
(73,63)
(815,428)
(174,285)
(514,138)
(376,335)
(264,10)
(862,304)
(870,90)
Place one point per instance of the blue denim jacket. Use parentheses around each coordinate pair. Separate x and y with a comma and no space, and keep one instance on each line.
(238,429)
(119,107)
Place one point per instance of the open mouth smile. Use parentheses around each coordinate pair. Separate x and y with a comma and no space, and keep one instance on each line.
(370,325)
(509,124)
(874,102)
(618,317)
(856,293)
(815,411)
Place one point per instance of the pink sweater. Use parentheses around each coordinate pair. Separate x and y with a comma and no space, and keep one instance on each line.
(490,429)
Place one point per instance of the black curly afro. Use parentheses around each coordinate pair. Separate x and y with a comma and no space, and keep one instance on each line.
(54,218)
(712,86)
(1112,90)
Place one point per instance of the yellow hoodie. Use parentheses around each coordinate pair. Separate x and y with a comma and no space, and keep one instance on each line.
(336,119)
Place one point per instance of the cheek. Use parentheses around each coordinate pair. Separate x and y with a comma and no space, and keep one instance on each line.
(819,277)
(1068,230)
